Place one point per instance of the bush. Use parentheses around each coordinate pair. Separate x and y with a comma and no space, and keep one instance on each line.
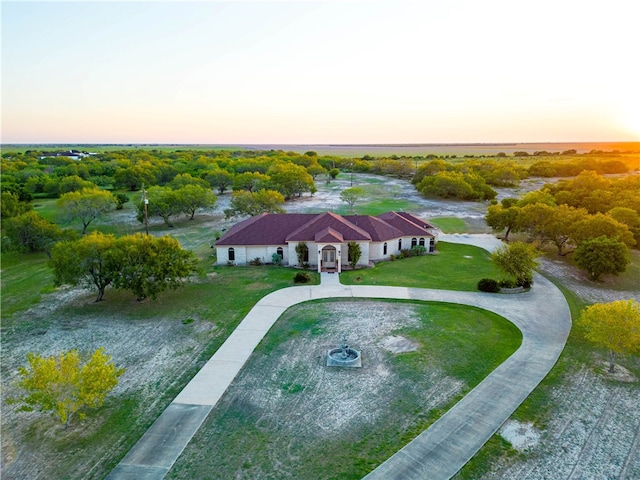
(301,277)
(488,285)
(306,265)
(256,262)
(508,284)
(392,257)
(406,253)
(418,250)
(276,259)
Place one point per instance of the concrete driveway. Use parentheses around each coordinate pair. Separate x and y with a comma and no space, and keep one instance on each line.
(542,314)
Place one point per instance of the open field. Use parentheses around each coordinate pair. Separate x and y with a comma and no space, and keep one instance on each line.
(586,420)
(459,149)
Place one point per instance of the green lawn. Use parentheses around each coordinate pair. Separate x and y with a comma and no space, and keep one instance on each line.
(449,224)
(455,267)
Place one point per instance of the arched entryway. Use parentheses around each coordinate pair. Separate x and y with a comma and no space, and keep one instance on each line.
(329,258)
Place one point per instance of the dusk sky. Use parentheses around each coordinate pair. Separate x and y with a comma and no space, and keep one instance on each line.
(320,72)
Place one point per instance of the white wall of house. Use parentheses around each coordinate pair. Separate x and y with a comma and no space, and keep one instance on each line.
(244,255)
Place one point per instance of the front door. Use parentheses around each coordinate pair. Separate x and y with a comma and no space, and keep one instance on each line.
(329,258)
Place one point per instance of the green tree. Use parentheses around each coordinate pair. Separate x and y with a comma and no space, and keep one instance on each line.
(500,217)
(191,197)
(164,202)
(302,253)
(593,226)
(254,203)
(87,262)
(134,177)
(220,179)
(184,179)
(333,173)
(32,233)
(11,206)
(290,179)
(602,256)
(614,326)
(250,181)
(352,195)
(551,224)
(354,252)
(147,265)
(86,205)
(517,260)
(66,385)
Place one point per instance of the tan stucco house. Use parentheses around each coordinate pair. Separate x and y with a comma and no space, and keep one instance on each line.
(326,236)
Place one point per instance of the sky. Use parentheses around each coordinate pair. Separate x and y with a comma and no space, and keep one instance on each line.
(328,72)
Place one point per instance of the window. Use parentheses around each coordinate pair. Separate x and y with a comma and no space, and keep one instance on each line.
(384,248)
(232,255)
(422,242)
(432,245)
(414,242)
(400,244)
(279,252)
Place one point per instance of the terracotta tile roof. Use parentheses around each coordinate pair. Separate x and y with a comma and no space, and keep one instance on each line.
(280,228)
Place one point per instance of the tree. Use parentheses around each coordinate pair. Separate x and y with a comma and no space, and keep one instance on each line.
(333,173)
(191,197)
(11,206)
(87,262)
(220,179)
(601,256)
(290,179)
(614,326)
(354,253)
(144,264)
(65,385)
(352,195)
(250,181)
(86,205)
(302,252)
(147,265)
(499,217)
(518,260)
(597,225)
(32,233)
(254,203)
(551,224)
(134,177)
(164,202)
(184,179)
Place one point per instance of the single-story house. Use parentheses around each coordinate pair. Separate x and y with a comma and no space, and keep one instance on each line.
(326,236)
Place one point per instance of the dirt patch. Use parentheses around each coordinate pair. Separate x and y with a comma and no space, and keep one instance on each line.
(521,436)
(594,433)
(398,344)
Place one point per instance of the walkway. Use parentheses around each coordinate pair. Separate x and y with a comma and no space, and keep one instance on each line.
(440,451)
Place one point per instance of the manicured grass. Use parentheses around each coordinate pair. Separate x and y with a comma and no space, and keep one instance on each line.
(456,267)
(466,343)
(449,224)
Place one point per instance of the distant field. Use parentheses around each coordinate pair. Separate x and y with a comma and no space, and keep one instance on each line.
(413,149)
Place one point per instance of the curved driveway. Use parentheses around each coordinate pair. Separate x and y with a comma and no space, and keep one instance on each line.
(542,314)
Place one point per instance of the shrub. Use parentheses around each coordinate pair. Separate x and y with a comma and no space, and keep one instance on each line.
(392,257)
(306,265)
(276,259)
(508,283)
(256,262)
(301,277)
(406,253)
(418,250)
(488,285)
